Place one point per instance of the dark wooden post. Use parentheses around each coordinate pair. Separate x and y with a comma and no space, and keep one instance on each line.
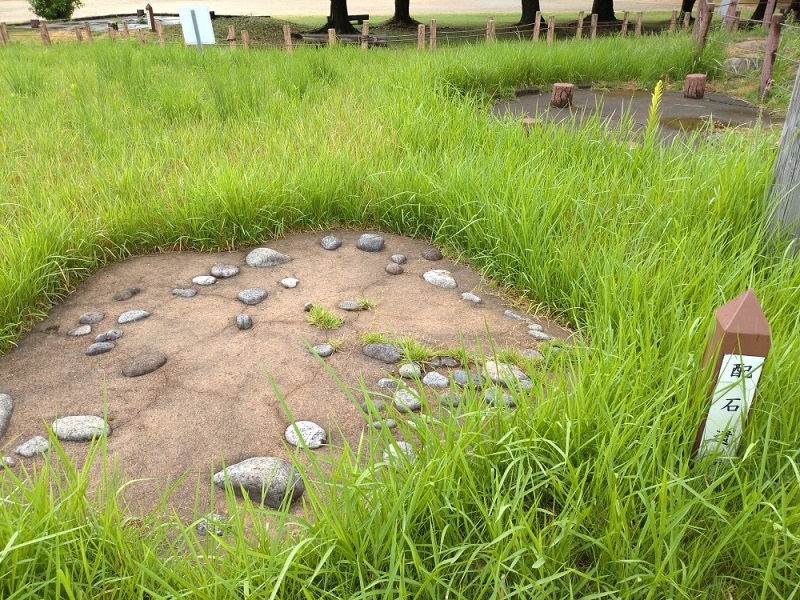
(673,21)
(151,19)
(537,26)
(701,16)
(730,15)
(701,40)
(365,35)
(245,39)
(4,34)
(769,56)
(737,20)
(768,14)
(737,350)
(420,37)
(579,32)
(432,39)
(112,33)
(287,38)
(551,29)
(694,86)
(624,31)
(593,30)
(639,18)
(44,33)
(562,95)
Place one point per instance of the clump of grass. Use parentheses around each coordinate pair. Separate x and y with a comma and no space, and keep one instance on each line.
(323,318)
(375,337)
(366,304)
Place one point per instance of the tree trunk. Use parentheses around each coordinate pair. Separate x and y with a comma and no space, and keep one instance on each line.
(795,8)
(687,6)
(604,9)
(760,11)
(529,10)
(402,15)
(339,19)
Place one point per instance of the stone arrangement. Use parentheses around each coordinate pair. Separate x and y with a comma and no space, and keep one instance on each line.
(271,479)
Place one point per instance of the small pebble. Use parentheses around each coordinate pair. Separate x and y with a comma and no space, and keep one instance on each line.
(184,292)
(378,406)
(535,327)
(450,399)
(289,282)
(399,259)
(90,318)
(402,450)
(99,348)
(244,321)
(252,296)
(516,316)
(409,370)
(435,379)
(132,315)
(444,361)
(394,269)
(539,335)
(211,521)
(126,294)
(143,364)
(432,254)
(224,271)
(9,461)
(464,379)
(308,306)
(310,435)
(388,423)
(370,242)
(493,396)
(33,447)
(406,401)
(349,305)
(388,353)
(204,280)
(82,428)
(79,331)
(532,353)
(440,278)
(323,350)
(470,297)
(387,382)
(330,242)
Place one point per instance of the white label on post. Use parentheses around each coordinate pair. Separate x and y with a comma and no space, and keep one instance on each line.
(202,17)
(730,404)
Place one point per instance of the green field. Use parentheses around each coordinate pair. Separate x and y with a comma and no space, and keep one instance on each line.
(585,491)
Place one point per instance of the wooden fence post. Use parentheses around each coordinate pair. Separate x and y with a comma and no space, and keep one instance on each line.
(490,30)
(163,42)
(701,15)
(593,30)
(707,18)
(551,29)
(624,30)
(245,39)
(125,31)
(78,34)
(639,18)
(142,36)
(730,15)
(331,37)
(88,31)
(112,33)
(3,34)
(686,19)
(537,26)
(364,35)
(737,20)
(579,32)
(432,40)
(673,21)
(768,14)
(150,17)
(44,33)
(420,37)
(769,56)
(287,38)
(231,39)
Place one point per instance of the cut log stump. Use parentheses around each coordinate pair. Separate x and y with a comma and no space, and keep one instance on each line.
(562,95)
(694,86)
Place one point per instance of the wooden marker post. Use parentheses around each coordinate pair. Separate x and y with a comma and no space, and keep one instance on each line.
(686,20)
(730,15)
(4,34)
(231,39)
(551,30)
(738,349)
(706,25)
(770,53)
(593,30)
(639,18)
(579,31)
(162,40)
(365,35)
(125,32)
(694,86)
(624,31)
(420,37)
(142,36)
(489,30)
(245,39)
(112,33)
(87,30)
(768,14)
(331,37)
(537,26)
(673,21)
(151,20)
(432,39)
(45,34)
(562,95)
(737,20)
(78,34)
(287,38)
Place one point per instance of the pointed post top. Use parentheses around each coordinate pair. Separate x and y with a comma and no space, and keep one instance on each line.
(743,315)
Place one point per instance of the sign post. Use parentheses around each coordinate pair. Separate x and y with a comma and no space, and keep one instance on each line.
(196,26)
(738,348)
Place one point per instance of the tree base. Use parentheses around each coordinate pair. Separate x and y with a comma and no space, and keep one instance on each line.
(402,22)
(342,30)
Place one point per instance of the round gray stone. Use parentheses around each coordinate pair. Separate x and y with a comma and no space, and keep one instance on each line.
(440,278)
(132,315)
(349,305)
(535,327)
(370,242)
(330,242)
(184,292)
(399,259)
(450,399)
(323,350)
(514,315)
(378,406)
(204,280)
(126,294)
(80,331)
(506,374)
(143,364)
(463,378)
(109,336)
(388,353)
(266,477)
(532,353)
(244,321)
(388,424)
(311,435)
(387,382)
(224,271)
(33,447)
(394,269)
(402,450)
(494,396)
(6,408)
(90,318)
(289,282)
(266,257)
(80,428)
(406,400)
(9,461)
(211,522)
(99,348)
(444,361)
(470,297)
(410,370)
(435,379)
(252,296)
(432,254)
(540,335)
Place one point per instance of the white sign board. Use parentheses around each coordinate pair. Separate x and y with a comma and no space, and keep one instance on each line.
(196,21)
(730,404)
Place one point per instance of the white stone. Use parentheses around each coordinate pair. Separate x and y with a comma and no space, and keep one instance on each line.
(311,435)
(289,282)
(440,278)
(539,335)
(80,331)
(6,408)
(506,374)
(266,257)
(402,450)
(266,477)
(435,379)
(470,297)
(406,400)
(409,370)
(204,280)
(33,447)
(80,428)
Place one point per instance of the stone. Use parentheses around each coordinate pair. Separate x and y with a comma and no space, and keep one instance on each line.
(126,294)
(311,435)
(244,321)
(535,327)
(308,306)
(432,254)
(350,305)
(435,379)
(370,242)
(387,382)
(266,257)
(99,348)
(109,336)
(406,400)
(80,331)
(399,259)
(132,315)
(224,271)
(263,477)
(470,297)
(506,374)
(378,406)
(184,292)
(540,335)
(289,282)
(401,450)
(323,350)
(388,423)
(80,428)
(6,408)
(143,364)
(330,242)
(410,370)
(33,447)
(514,315)
(739,64)
(444,361)
(252,296)
(204,280)
(532,353)
(9,461)
(90,318)
(464,378)
(394,269)
(440,278)
(388,353)
(450,399)
(211,522)
(494,396)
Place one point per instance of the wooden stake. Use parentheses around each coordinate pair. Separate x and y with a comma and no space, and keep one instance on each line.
(730,15)
(331,37)
(4,39)
(537,27)
(579,32)
(231,39)
(736,351)
(365,35)
(44,33)
(701,40)
(287,38)
(593,30)
(673,21)
(432,39)
(88,31)
(768,14)
(686,20)
(769,56)
(78,34)
(125,31)
(245,39)
(163,41)
(150,17)
(562,95)
(694,86)
(698,22)
(737,20)
(785,191)
(639,18)
(528,123)
(489,23)
(624,31)
(551,29)
(142,36)
(420,37)
(112,33)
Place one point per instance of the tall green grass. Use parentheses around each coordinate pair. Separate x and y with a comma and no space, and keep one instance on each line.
(586,490)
